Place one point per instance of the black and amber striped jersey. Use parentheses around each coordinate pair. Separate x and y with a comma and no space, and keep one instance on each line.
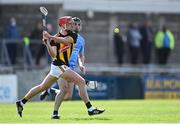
(64,51)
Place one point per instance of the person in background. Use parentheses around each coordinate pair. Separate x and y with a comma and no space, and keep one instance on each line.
(164,44)
(12,34)
(36,34)
(37,31)
(146,41)
(119,45)
(133,39)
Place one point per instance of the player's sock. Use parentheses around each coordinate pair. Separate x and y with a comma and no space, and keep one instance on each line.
(89,106)
(55,112)
(87,82)
(23,101)
(55,115)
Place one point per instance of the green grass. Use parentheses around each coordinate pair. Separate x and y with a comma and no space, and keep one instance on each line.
(117,111)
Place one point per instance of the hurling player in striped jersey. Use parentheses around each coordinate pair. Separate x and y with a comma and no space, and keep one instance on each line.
(65,90)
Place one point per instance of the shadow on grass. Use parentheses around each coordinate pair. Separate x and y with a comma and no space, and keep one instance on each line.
(89,119)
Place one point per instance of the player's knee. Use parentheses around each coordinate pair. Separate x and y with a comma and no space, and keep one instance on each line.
(68,97)
(83,82)
(64,89)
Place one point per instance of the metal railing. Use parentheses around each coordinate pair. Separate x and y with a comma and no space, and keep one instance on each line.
(24,54)
(27,61)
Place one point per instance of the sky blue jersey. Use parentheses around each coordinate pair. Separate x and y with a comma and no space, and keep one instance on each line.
(79,48)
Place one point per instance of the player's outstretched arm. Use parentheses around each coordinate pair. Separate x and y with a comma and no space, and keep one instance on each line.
(64,40)
(81,64)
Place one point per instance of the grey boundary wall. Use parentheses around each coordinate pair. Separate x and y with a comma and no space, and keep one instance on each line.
(97,31)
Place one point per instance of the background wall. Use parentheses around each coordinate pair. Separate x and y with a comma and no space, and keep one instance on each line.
(98,31)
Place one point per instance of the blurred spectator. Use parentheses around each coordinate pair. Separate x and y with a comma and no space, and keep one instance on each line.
(164,43)
(27,52)
(37,31)
(119,45)
(36,34)
(133,39)
(12,33)
(146,41)
(42,48)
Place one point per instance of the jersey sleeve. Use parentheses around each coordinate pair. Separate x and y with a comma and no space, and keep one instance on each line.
(82,47)
(82,42)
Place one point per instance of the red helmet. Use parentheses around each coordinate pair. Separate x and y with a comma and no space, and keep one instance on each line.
(63,21)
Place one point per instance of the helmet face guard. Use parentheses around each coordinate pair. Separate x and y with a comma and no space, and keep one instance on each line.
(66,22)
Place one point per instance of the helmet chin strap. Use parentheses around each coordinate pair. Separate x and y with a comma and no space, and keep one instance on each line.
(65,27)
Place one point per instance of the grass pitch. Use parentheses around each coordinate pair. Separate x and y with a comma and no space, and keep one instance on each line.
(117,111)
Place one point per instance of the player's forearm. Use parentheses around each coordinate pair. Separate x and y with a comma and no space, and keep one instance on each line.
(80,63)
(82,58)
(51,51)
(59,39)
(64,40)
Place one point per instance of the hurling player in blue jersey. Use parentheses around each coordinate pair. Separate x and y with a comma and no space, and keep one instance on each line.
(77,56)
